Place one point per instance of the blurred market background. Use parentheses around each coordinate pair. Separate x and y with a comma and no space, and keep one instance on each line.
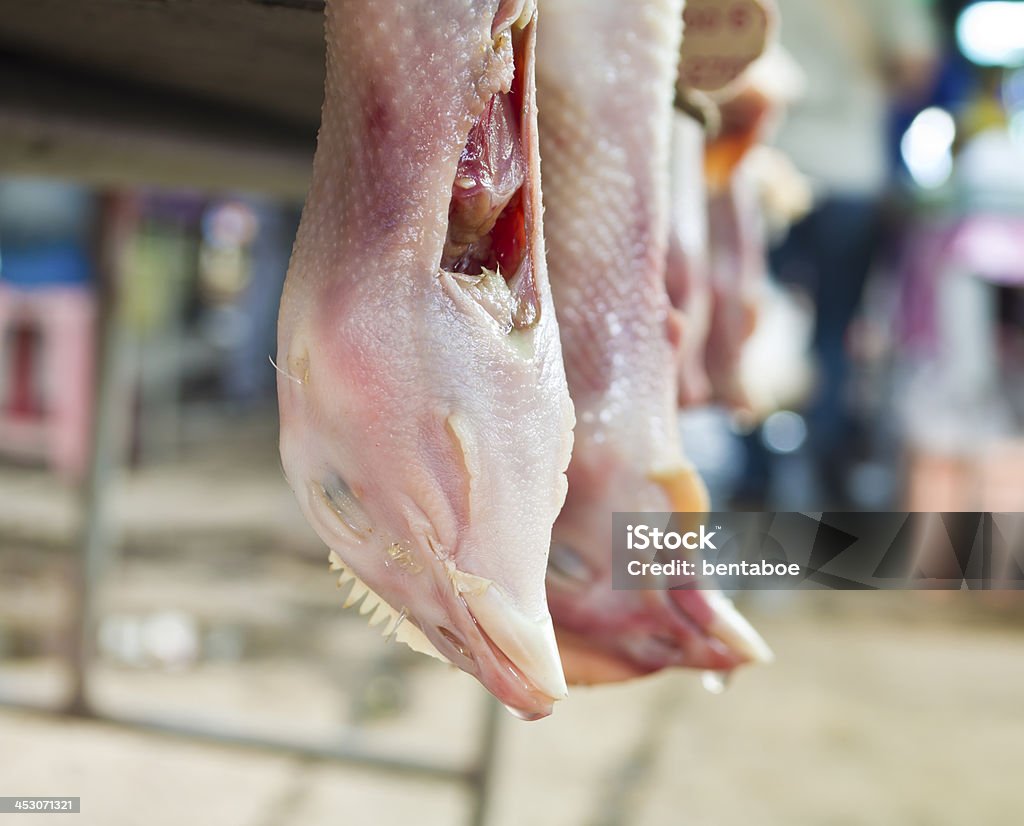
(158,583)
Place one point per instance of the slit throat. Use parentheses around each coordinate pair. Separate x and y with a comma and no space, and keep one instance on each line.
(489,215)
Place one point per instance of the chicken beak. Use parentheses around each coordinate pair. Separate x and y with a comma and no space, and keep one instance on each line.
(528,643)
(734,631)
(687,493)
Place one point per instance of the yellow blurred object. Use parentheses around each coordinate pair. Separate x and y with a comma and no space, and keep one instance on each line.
(685,489)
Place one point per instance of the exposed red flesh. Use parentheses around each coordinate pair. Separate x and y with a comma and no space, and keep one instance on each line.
(489,217)
(491,172)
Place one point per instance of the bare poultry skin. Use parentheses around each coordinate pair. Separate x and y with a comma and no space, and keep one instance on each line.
(737,244)
(606,72)
(687,267)
(733,266)
(737,272)
(425,420)
(716,253)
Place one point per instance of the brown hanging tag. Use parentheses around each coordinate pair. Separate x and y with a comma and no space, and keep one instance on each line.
(722,38)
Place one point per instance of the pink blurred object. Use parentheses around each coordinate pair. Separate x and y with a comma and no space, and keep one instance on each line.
(990,247)
(47,345)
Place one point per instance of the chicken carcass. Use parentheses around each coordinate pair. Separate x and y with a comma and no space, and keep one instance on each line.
(606,71)
(687,269)
(738,268)
(735,170)
(716,260)
(425,420)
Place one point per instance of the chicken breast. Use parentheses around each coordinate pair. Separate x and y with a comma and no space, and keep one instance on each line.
(606,73)
(425,420)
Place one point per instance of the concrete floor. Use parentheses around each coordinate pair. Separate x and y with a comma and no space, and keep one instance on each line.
(863,720)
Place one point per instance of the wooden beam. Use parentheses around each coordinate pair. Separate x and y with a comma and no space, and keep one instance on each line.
(252,54)
(111,133)
(214,94)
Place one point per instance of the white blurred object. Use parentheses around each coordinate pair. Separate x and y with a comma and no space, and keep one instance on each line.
(120,639)
(1017,127)
(171,638)
(927,147)
(992,33)
(992,166)
(967,344)
(775,369)
(785,192)
(776,75)
(956,403)
(784,432)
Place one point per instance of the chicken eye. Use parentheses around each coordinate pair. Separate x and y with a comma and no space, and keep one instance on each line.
(334,492)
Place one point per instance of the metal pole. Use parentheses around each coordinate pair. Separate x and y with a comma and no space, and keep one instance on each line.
(233,738)
(118,219)
(483,775)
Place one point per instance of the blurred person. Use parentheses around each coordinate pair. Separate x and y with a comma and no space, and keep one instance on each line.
(860,57)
